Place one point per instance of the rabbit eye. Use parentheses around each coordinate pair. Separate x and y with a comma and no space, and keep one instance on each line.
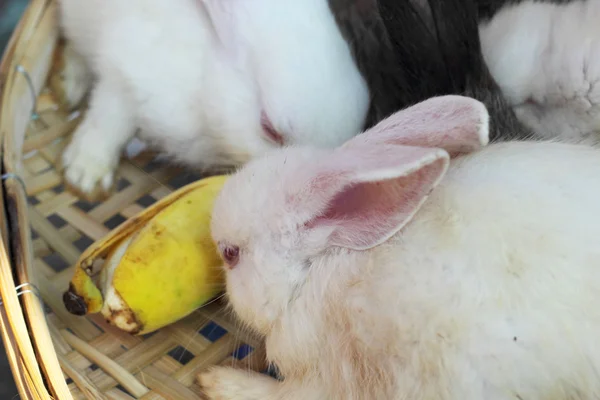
(231,255)
(269,130)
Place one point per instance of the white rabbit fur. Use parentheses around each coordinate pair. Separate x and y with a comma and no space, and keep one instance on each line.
(489,292)
(546,59)
(195,75)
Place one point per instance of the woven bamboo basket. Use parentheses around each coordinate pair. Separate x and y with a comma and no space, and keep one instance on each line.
(52,353)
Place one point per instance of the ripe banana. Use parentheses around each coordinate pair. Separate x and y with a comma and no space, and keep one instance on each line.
(159,266)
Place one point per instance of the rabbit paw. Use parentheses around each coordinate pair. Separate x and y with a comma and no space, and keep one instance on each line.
(77,78)
(225,383)
(87,170)
(70,79)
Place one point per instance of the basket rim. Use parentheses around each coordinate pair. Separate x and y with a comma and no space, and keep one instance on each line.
(28,366)
(8,334)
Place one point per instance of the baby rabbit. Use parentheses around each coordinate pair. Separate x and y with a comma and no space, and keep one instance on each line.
(212,83)
(544,55)
(416,262)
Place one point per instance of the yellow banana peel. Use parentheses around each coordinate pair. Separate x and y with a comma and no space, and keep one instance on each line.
(159,266)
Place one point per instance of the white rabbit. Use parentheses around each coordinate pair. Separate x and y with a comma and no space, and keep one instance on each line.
(212,83)
(384,270)
(545,57)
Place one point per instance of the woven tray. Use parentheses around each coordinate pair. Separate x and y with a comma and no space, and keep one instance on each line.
(54,354)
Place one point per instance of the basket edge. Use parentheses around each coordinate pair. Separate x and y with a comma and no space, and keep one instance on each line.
(19,48)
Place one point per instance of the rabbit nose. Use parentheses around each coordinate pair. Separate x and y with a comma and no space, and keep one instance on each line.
(231,256)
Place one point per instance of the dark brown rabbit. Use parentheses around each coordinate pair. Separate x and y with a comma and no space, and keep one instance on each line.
(410,50)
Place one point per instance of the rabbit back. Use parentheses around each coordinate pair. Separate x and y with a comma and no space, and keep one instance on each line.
(207,98)
(487,293)
(410,51)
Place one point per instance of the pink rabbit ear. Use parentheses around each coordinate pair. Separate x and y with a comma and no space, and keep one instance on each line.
(457,124)
(362,196)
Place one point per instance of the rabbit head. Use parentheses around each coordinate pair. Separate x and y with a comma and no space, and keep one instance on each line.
(278,215)
(309,89)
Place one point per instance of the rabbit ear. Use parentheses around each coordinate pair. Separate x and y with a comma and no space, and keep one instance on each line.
(457,124)
(360,197)
(224,18)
